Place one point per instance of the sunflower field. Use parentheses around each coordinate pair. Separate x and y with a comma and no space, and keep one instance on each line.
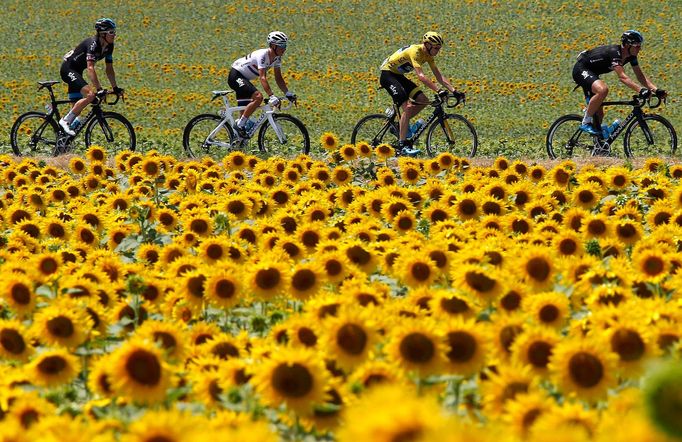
(356,298)
(512,58)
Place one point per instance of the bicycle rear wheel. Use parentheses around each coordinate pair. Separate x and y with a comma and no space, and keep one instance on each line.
(454,134)
(197,139)
(656,137)
(34,134)
(566,140)
(111,131)
(291,140)
(375,129)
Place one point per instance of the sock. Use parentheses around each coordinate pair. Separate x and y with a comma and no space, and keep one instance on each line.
(587,120)
(70,117)
(241,122)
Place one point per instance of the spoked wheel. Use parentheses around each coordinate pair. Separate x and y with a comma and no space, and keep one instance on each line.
(454,134)
(566,140)
(656,137)
(112,131)
(202,136)
(34,134)
(289,138)
(375,129)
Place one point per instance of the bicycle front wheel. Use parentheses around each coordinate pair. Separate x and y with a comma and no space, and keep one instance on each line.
(111,131)
(34,134)
(654,137)
(375,129)
(454,134)
(202,136)
(566,140)
(288,138)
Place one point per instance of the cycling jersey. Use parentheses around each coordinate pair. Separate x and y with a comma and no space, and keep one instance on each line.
(603,59)
(249,65)
(89,49)
(406,59)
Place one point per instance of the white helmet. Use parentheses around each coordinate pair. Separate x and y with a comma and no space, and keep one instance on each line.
(278,39)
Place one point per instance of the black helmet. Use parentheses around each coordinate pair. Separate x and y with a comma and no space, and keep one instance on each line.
(631,37)
(104,24)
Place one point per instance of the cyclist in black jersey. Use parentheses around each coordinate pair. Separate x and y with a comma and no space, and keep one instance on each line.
(603,59)
(84,56)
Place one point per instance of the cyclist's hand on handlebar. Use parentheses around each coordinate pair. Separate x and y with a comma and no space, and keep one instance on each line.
(442,94)
(119,90)
(274,101)
(101,93)
(660,93)
(644,93)
(459,96)
(291,96)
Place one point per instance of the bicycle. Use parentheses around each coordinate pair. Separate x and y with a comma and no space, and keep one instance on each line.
(649,134)
(213,134)
(446,132)
(38,133)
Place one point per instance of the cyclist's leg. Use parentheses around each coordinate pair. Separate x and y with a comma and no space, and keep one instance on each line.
(80,95)
(247,94)
(410,109)
(599,91)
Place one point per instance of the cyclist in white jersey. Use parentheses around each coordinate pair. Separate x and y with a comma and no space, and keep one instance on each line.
(255,65)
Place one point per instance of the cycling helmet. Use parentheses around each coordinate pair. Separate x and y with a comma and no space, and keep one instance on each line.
(433,37)
(278,39)
(631,37)
(104,24)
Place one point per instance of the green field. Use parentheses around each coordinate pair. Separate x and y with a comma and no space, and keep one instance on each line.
(513,58)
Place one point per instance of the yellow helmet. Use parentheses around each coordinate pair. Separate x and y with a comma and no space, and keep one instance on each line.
(433,37)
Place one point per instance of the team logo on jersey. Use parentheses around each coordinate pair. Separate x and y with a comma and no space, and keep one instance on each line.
(72,76)
(585,74)
(240,82)
(394,90)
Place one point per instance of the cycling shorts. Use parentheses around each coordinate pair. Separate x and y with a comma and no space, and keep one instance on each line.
(398,86)
(584,78)
(241,86)
(74,80)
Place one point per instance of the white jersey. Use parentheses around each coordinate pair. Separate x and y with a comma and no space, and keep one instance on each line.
(248,66)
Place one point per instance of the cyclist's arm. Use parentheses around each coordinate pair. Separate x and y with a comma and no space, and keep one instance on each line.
(92,75)
(627,81)
(109,69)
(442,80)
(262,76)
(280,80)
(424,79)
(643,79)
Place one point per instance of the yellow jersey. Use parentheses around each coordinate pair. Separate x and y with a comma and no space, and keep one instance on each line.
(405,59)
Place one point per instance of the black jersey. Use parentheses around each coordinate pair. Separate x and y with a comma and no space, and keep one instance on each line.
(88,49)
(603,59)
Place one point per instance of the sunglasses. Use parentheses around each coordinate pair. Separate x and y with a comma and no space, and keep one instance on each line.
(110,32)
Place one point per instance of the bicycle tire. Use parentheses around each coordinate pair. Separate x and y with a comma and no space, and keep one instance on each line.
(195,135)
(112,138)
(566,140)
(635,142)
(296,139)
(454,134)
(374,129)
(38,135)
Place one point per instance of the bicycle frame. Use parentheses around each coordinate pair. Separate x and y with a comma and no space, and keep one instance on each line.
(636,113)
(436,115)
(227,113)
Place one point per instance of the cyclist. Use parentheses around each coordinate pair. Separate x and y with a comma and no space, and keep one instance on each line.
(256,65)
(603,59)
(89,51)
(401,89)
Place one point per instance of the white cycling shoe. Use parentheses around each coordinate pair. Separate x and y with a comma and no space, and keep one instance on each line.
(66,127)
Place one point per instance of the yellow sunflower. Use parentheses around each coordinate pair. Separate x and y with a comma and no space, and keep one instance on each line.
(14,340)
(350,337)
(416,346)
(547,308)
(466,346)
(503,385)
(52,368)
(329,141)
(291,376)
(139,372)
(585,367)
(63,323)
(223,287)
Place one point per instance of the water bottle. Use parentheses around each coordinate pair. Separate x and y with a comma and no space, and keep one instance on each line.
(610,129)
(75,123)
(249,125)
(48,108)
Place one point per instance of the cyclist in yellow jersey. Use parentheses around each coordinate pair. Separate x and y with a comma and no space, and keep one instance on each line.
(403,61)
